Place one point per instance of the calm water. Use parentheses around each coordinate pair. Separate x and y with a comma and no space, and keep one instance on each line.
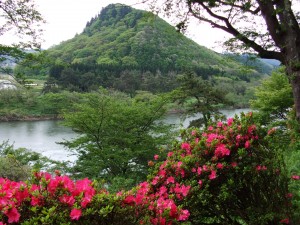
(39,136)
(42,136)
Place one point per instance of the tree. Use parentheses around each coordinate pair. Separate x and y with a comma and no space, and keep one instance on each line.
(274,97)
(198,96)
(22,19)
(278,36)
(118,135)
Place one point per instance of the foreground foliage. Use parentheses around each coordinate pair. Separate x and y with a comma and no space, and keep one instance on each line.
(226,174)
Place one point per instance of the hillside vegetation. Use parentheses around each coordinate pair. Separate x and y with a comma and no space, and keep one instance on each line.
(128,50)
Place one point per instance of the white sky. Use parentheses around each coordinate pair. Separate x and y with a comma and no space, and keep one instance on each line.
(65,18)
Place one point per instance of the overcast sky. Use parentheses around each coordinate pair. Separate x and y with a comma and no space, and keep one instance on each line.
(65,18)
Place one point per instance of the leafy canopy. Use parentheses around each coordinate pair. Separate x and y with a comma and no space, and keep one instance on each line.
(118,135)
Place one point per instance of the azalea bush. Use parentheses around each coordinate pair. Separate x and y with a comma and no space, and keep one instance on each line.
(225,174)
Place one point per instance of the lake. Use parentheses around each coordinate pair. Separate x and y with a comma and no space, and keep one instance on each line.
(43,136)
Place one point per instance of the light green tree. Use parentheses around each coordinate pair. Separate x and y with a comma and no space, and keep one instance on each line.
(274,97)
(118,135)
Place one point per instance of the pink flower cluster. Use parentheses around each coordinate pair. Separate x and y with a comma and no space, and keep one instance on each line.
(59,188)
(159,196)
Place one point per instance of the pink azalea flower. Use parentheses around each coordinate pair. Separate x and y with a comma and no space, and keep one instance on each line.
(285,221)
(85,201)
(289,195)
(35,201)
(264,168)
(222,151)
(155,180)
(170,154)
(220,166)
(75,214)
(129,200)
(258,167)
(179,164)
(200,182)
(211,137)
(186,147)
(234,164)
(13,215)
(173,210)
(229,121)
(295,177)
(170,180)
(219,124)
(69,200)
(156,157)
(213,175)
(184,215)
(199,170)
(247,144)
(185,190)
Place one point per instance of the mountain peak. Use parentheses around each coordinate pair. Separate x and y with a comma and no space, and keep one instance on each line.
(110,16)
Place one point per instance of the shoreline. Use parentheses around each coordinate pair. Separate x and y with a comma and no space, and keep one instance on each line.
(12,118)
(29,118)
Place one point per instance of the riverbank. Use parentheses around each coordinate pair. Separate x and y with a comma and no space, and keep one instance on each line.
(11,117)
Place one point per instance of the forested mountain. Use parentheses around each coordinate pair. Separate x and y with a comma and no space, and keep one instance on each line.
(129,49)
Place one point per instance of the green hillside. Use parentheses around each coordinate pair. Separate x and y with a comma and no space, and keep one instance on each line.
(130,38)
(129,49)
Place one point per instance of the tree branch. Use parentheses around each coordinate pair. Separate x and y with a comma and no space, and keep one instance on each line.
(233,31)
(273,25)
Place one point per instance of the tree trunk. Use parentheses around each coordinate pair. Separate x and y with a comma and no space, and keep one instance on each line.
(294,77)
